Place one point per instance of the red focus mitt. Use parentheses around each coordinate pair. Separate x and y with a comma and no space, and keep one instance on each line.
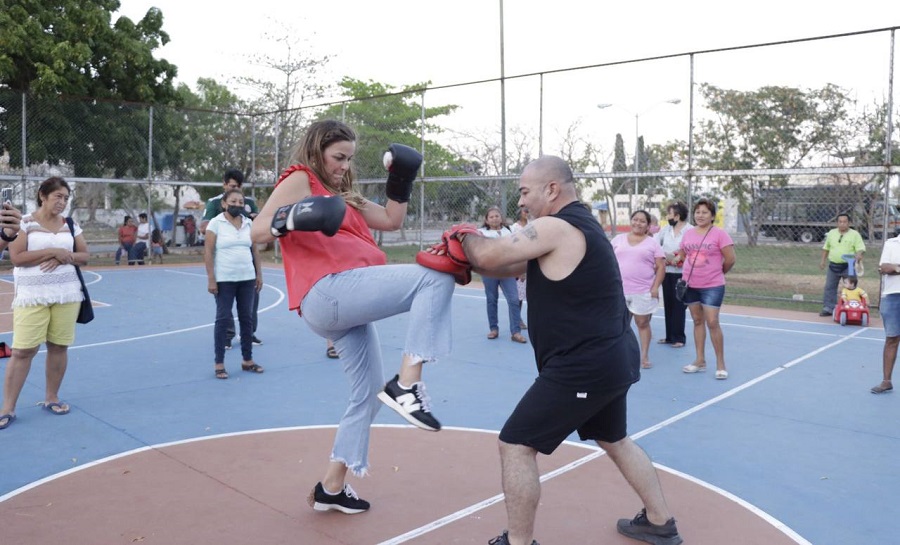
(448,256)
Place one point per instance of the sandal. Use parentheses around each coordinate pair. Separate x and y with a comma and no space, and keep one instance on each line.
(677,345)
(6,420)
(252,368)
(663,341)
(721,374)
(694,368)
(646,365)
(493,334)
(885,386)
(332,353)
(221,373)
(57,407)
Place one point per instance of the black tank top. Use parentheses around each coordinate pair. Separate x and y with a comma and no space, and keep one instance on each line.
(579,326)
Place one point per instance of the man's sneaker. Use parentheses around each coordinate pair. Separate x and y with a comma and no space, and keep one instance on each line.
(256,340)
(412,404)
(227,345)
(642,529)
(503,539)
(346,501)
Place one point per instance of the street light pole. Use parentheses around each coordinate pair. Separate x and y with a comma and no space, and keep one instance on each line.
(637,148)
(637,159)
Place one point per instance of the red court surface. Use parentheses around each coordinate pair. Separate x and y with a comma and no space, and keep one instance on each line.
(426,488)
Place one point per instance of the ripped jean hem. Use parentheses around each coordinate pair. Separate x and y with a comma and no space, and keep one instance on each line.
(417,358)
(358,469)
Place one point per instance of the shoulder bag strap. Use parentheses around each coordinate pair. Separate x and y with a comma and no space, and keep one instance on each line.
(694,262)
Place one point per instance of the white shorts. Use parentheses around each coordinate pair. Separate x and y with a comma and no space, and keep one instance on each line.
(641,304)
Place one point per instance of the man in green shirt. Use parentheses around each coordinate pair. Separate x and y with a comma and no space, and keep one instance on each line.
(838,242)
(233,179)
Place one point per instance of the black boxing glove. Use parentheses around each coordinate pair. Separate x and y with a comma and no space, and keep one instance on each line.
(319,213)
(403,164)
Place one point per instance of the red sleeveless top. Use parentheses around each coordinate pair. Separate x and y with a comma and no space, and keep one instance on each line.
(310,255)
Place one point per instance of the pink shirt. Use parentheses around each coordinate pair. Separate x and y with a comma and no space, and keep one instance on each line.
(707,270)
(637,264)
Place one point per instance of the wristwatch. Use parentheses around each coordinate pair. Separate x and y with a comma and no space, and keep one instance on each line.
(6,238)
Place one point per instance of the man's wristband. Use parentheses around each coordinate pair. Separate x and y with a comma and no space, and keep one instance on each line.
(6,238)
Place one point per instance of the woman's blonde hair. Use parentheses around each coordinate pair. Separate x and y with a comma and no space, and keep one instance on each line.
(311,152)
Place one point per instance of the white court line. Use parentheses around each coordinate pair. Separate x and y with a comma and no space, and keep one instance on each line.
(434,525)
(440,522)
(281,298)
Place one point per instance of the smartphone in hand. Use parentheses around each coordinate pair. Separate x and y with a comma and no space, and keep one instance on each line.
(6,195)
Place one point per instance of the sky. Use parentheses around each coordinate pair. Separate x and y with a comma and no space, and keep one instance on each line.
(410,41)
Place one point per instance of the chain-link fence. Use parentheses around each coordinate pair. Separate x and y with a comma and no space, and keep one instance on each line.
(782,158)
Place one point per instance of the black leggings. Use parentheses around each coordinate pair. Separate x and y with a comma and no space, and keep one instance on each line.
(674,310)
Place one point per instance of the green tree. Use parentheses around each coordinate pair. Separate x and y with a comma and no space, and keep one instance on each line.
(771,127)
(381,115)
(80,74)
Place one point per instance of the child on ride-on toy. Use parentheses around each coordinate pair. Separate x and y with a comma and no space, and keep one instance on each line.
(853,305)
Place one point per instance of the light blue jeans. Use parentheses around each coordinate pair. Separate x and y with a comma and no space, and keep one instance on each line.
(342,307)
(508,285)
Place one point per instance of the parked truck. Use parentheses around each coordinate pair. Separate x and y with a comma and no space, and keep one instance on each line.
(807,213)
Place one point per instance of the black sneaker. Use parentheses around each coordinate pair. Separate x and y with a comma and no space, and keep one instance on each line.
(256,340)
(825,313)
(412,404)
(346,501)
(503,539)
(227,345)
(642,529)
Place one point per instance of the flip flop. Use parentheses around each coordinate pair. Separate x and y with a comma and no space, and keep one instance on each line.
(646,365)
(332,353)
(663,341)
(880,389)
(56,408)
(677,345)
(7,419)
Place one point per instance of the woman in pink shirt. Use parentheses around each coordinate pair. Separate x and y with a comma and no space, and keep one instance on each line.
(708,254)
(642,266)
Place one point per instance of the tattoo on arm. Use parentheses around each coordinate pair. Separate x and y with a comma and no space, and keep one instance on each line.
(528,232)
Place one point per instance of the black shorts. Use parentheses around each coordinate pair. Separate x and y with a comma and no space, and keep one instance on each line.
(548,413)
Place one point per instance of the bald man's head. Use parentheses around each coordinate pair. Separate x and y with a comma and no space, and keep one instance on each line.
(551,168)
(546,186)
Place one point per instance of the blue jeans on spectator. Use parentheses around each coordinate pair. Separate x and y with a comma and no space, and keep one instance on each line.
(136,255)
(833,274)
(344,307)
(123,248)
(230,331)
(229,292)
(511,293)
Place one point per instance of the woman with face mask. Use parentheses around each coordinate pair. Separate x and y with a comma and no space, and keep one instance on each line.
(234,274)
(669,237)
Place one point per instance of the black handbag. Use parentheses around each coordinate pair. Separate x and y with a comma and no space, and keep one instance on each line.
(680,288)
(86,312)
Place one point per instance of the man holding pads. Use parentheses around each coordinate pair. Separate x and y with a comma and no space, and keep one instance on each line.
(587,355)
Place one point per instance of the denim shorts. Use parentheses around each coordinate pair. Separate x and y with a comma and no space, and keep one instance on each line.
(708,297)
(890,314)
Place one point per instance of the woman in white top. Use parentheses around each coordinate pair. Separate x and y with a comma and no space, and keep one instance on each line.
(493,228)
(48,296)
(669,237)
(520,280)
(234,274)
